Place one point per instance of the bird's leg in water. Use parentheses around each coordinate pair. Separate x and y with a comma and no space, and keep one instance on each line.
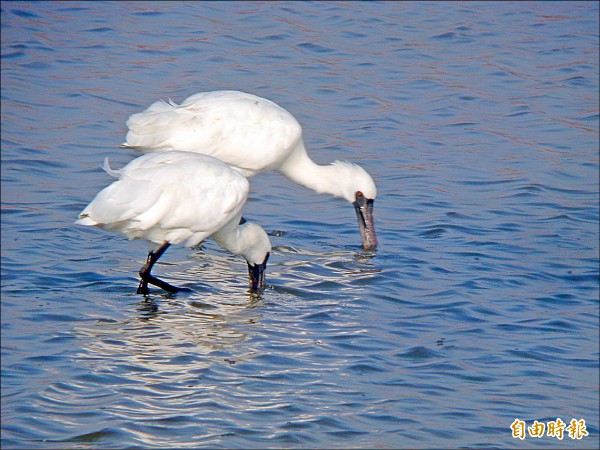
(147,277)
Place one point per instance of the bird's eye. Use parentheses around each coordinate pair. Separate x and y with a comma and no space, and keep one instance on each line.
(359,195)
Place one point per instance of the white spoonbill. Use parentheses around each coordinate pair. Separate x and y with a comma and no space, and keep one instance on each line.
(180,198)
(251,134)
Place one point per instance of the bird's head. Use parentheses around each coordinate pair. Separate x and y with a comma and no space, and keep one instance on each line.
(256,253)
(357,186)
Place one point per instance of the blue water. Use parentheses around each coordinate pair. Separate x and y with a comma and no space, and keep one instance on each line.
(479,123)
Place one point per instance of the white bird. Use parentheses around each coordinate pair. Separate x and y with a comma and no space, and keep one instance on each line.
(252,135)
(180,198)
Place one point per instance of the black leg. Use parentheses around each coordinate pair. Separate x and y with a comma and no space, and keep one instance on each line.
(147,277)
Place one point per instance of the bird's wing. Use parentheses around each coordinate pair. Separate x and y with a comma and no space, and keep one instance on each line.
(213,195)
(245,131)
(173,196)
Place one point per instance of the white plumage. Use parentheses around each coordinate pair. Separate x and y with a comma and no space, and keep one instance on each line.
(179,198)
(252,135)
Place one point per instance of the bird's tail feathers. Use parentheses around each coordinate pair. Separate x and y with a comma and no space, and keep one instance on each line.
(85,219)
(106,167)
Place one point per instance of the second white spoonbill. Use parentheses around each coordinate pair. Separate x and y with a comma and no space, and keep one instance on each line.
(253,135)
(180,198)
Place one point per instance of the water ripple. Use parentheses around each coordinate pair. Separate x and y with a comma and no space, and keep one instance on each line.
(485,281)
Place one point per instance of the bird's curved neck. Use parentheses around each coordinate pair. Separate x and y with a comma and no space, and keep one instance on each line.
(299,168)
(230,237)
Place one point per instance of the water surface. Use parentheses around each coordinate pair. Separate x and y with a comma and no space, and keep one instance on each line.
(479,123)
